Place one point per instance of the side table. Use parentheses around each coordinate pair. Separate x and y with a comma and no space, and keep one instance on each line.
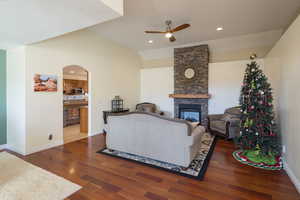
(105,113)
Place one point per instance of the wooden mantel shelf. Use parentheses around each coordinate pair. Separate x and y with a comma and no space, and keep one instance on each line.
(190,96)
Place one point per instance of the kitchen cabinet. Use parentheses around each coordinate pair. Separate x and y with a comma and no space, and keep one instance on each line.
(84,119)
(70,84)
(72,112)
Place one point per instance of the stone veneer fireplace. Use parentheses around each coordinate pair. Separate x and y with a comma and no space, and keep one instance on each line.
(191,93)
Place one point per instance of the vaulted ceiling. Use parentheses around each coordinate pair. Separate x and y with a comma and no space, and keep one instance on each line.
(28,21)
(237,17)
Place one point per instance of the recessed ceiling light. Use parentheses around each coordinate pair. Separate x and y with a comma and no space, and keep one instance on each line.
(220,29)
(150,41)
(72,72)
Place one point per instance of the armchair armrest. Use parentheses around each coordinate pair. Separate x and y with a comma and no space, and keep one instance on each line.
(215,117)
(234,122)
(159,112)
(232,127)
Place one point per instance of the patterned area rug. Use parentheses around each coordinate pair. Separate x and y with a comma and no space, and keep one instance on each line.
(196,169)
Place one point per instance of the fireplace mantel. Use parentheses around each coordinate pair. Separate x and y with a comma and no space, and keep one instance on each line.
(190,96)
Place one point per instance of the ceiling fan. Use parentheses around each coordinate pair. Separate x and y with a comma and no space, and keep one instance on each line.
(169,31)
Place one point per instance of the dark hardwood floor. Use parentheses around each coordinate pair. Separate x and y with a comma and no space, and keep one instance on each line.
(105,177)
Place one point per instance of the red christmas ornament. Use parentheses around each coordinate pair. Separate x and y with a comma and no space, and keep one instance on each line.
(272,134)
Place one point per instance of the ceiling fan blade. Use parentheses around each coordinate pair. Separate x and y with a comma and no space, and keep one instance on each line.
(181,27)
(155,32)
(172,39)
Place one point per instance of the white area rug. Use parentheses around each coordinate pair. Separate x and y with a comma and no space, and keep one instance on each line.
(20,180)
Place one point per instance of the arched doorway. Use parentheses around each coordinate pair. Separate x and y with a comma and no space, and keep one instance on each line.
(76,103)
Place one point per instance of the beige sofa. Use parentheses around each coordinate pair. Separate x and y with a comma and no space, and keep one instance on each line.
(154,136)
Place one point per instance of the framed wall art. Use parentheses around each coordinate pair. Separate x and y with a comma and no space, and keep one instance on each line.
(45,83)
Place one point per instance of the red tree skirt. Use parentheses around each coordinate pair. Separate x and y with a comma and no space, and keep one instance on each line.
(238,155)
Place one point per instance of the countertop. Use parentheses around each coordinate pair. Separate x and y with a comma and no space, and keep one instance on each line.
(75,103)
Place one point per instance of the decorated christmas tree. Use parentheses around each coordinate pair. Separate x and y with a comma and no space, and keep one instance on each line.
(258,138)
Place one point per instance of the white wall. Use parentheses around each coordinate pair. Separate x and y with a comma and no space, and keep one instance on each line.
(225,80)
(113,70)
(16,126)
(156,85)
(283,64)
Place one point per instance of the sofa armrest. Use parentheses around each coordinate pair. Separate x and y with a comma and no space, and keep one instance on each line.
(196,135)
(215,117)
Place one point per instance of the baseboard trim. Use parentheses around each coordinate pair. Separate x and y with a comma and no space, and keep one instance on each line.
(292,176)
(45,147)
(3,146)
(93,134)
(14,149)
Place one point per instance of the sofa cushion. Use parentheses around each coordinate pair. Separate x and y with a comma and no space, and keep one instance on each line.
(218,125)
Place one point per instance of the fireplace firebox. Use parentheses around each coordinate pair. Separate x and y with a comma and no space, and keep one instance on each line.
(190,112)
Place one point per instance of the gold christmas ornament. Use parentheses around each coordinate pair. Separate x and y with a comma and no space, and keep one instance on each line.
(253,56)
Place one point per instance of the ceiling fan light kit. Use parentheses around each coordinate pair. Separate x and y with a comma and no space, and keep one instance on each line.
(169,33)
